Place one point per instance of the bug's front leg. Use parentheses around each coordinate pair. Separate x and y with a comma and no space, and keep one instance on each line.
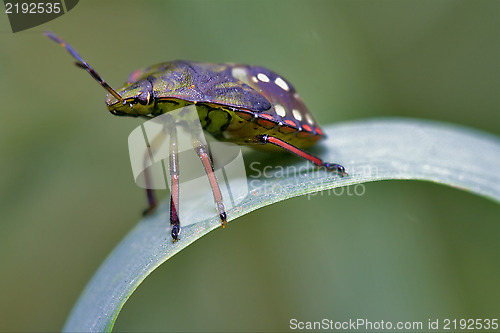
(170,131)
(268,139)
(151,197)
(150,194)
(174,183)
(202,152)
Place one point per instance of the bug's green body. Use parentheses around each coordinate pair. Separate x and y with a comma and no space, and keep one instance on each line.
(235,102)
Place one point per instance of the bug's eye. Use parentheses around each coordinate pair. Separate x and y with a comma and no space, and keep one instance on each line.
(144,97)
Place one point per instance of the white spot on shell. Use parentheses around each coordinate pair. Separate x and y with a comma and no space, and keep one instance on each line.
(296,114)
(281,83)
(309,119)
(263,77)
(254,79)
(239,73)
(280,110)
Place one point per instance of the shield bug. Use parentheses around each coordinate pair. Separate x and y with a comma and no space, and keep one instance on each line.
(242,104)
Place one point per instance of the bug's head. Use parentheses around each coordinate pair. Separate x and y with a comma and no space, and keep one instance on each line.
(134,99)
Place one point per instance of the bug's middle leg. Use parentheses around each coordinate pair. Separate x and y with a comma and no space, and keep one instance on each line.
(202,152)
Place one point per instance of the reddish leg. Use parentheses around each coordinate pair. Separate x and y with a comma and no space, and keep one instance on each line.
(174,184)
(202,151)
(265,139)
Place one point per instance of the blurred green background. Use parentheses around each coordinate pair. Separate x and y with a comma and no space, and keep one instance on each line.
(402,251)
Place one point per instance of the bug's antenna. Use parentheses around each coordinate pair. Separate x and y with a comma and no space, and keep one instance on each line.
(82,64)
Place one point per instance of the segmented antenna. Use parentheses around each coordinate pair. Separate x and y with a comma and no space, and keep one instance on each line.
(82,64)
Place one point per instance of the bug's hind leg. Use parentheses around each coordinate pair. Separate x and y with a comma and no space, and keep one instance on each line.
(268,139)
(202,152)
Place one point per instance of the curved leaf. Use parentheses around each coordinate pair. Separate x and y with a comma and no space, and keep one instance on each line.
(370,150)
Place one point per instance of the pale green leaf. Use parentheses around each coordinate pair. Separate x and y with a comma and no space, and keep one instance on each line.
(370,150)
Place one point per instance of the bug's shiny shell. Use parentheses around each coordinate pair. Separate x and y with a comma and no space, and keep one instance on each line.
(236,102)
